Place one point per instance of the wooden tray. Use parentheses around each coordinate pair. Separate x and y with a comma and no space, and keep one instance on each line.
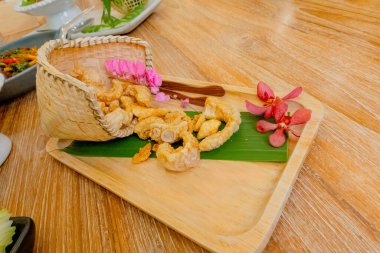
(225,206)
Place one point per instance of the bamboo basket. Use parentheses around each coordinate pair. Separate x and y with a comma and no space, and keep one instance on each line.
(69,108)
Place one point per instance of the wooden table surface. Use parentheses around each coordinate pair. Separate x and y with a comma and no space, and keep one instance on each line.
(331,48)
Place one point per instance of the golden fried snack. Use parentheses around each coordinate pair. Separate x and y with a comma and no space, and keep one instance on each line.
(142,112)
(198,121)
(169,133)
(168,129)
(144,127)
(216,109)
(208,128)
(127,102)
(119,119)
(182,158)
(141,93)
(143,154)
(109,95)
(114,105)
(177,117)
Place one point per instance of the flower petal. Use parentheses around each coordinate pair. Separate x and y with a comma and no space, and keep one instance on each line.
(301,116)
(264,126)
(279,111)
(154,89)
(162,97)
(264,92)
(277,139)
(294,93)
(153,78)
(294,132)
(254,109)
(269,112)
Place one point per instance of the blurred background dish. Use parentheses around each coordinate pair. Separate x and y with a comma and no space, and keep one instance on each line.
(132,18)
(26,80)
(56,12)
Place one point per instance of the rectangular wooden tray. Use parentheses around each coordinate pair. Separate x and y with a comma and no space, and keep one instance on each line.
(225,206)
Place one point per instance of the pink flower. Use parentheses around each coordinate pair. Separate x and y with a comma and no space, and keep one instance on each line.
(138,71)
(266,94)
(154,89)
(162,97)
(126,69)
(153,78)
(185,102)
(110,66)
(283,123)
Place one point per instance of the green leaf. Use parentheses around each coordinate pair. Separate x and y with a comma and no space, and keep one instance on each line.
(108,21)
(245,145)
(28,2)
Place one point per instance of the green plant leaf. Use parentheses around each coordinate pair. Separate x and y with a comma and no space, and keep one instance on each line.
(108,21)
(245,145)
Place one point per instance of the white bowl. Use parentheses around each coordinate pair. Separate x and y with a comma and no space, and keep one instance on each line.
(57,12)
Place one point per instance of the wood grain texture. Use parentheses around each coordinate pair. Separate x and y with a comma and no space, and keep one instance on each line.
(330,48)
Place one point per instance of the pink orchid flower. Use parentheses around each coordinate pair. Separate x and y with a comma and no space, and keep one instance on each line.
(138,71)
(266,94)
(126,69)
(162,97)
(153,78)
(283,123)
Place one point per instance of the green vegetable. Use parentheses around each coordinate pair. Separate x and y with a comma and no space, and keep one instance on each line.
(6,230)
(29,2)
(245,145)
(19,67)
(108,21)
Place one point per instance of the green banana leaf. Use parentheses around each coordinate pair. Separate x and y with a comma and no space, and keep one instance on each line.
(245,145)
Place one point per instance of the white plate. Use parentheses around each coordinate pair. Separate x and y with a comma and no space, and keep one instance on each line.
(122,28)
(5,148)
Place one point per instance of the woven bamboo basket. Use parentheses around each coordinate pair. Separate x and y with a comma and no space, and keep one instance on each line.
(69,108)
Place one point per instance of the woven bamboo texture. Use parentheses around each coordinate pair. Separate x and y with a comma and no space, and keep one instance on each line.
(69,108)
(126,6)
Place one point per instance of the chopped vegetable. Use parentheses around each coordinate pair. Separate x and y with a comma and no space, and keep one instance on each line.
(6,230)
(16,60)
(29,2)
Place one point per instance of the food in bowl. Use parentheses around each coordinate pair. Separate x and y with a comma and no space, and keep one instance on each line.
(14,61)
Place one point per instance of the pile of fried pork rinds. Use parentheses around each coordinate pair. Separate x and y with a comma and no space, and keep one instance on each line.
(127,106)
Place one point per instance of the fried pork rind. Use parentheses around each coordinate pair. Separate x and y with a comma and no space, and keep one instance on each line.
(208,128)
(167,129)
(109,95)
(144,127)
(216,109)
(119,119)
(177,117)
(141,93)
(198,121)
(182,158)
(142,112)
(114,105)
(127,102)
(143,154)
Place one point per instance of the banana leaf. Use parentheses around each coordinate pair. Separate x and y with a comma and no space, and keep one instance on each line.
(245,145)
